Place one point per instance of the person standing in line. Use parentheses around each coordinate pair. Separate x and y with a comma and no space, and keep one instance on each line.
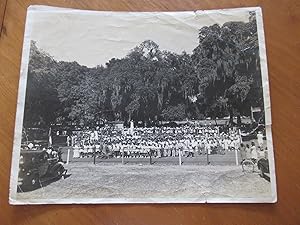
(198,147)
(186,147)
(260,153)
(232,144)
(159,151)
(226,144)
(96,135)
(203,145)
(76,152)
(173,148)
(237,143)
(165,149)
(97,148)
(194,146)
(243,152)
(253,151)
(73,140)
(248,151)
(169,148)
(68,141)
(177,148)
(266,153)
(207,147)
(222,143)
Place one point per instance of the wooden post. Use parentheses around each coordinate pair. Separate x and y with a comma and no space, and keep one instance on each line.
(207,157)
(123,155)
(94,150)
(236,157)
(179,157)
(68,156)
(150,154)
(236,154)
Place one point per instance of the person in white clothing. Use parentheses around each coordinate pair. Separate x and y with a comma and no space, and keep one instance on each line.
(260,139)
(248,152)
(76,152)
(260,153)
(253,152)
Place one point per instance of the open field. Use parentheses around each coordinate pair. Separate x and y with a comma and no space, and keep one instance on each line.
(135,182)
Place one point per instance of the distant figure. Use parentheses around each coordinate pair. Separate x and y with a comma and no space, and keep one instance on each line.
(73,140)
(253,151)
(92,136)
(260,153)
(131,127)
(260,139)
(76,153)
(266,153)
(68,140)
(243,151)
(248,152)
(96,135)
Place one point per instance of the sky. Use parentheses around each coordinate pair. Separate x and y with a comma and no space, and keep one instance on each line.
(92,38)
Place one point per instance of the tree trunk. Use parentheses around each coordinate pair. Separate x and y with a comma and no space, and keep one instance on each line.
(239,121)
(231,116)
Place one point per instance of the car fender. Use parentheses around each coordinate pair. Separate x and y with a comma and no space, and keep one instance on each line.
(57,167)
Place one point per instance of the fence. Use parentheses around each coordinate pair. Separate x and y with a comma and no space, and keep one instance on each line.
(69,154)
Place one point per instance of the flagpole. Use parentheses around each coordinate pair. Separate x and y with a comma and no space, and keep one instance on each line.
(49,138)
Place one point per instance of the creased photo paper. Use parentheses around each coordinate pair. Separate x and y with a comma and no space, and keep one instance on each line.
(143,107)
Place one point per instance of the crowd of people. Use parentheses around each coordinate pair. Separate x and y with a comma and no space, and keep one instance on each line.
(184,141)
(252,151)
(188,141)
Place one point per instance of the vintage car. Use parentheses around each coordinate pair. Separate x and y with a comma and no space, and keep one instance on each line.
(37,167)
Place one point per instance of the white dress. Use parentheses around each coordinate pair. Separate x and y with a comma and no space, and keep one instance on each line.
(260,139)
(76,152)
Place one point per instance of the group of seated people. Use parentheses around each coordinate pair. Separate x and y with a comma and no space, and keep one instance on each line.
(157,142)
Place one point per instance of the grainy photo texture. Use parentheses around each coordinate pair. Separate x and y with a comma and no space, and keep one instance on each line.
(138,107)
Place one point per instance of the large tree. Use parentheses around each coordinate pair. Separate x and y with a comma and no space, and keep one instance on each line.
(42,103)
(227,64)
(221,77)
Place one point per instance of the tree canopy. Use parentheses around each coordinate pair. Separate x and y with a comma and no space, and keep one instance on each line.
(220,77)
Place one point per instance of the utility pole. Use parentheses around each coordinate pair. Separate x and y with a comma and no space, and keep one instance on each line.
(150,154)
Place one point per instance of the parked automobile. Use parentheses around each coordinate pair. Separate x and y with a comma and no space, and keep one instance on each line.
(37,167)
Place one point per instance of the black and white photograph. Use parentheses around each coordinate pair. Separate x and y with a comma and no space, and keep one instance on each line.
(143,107)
